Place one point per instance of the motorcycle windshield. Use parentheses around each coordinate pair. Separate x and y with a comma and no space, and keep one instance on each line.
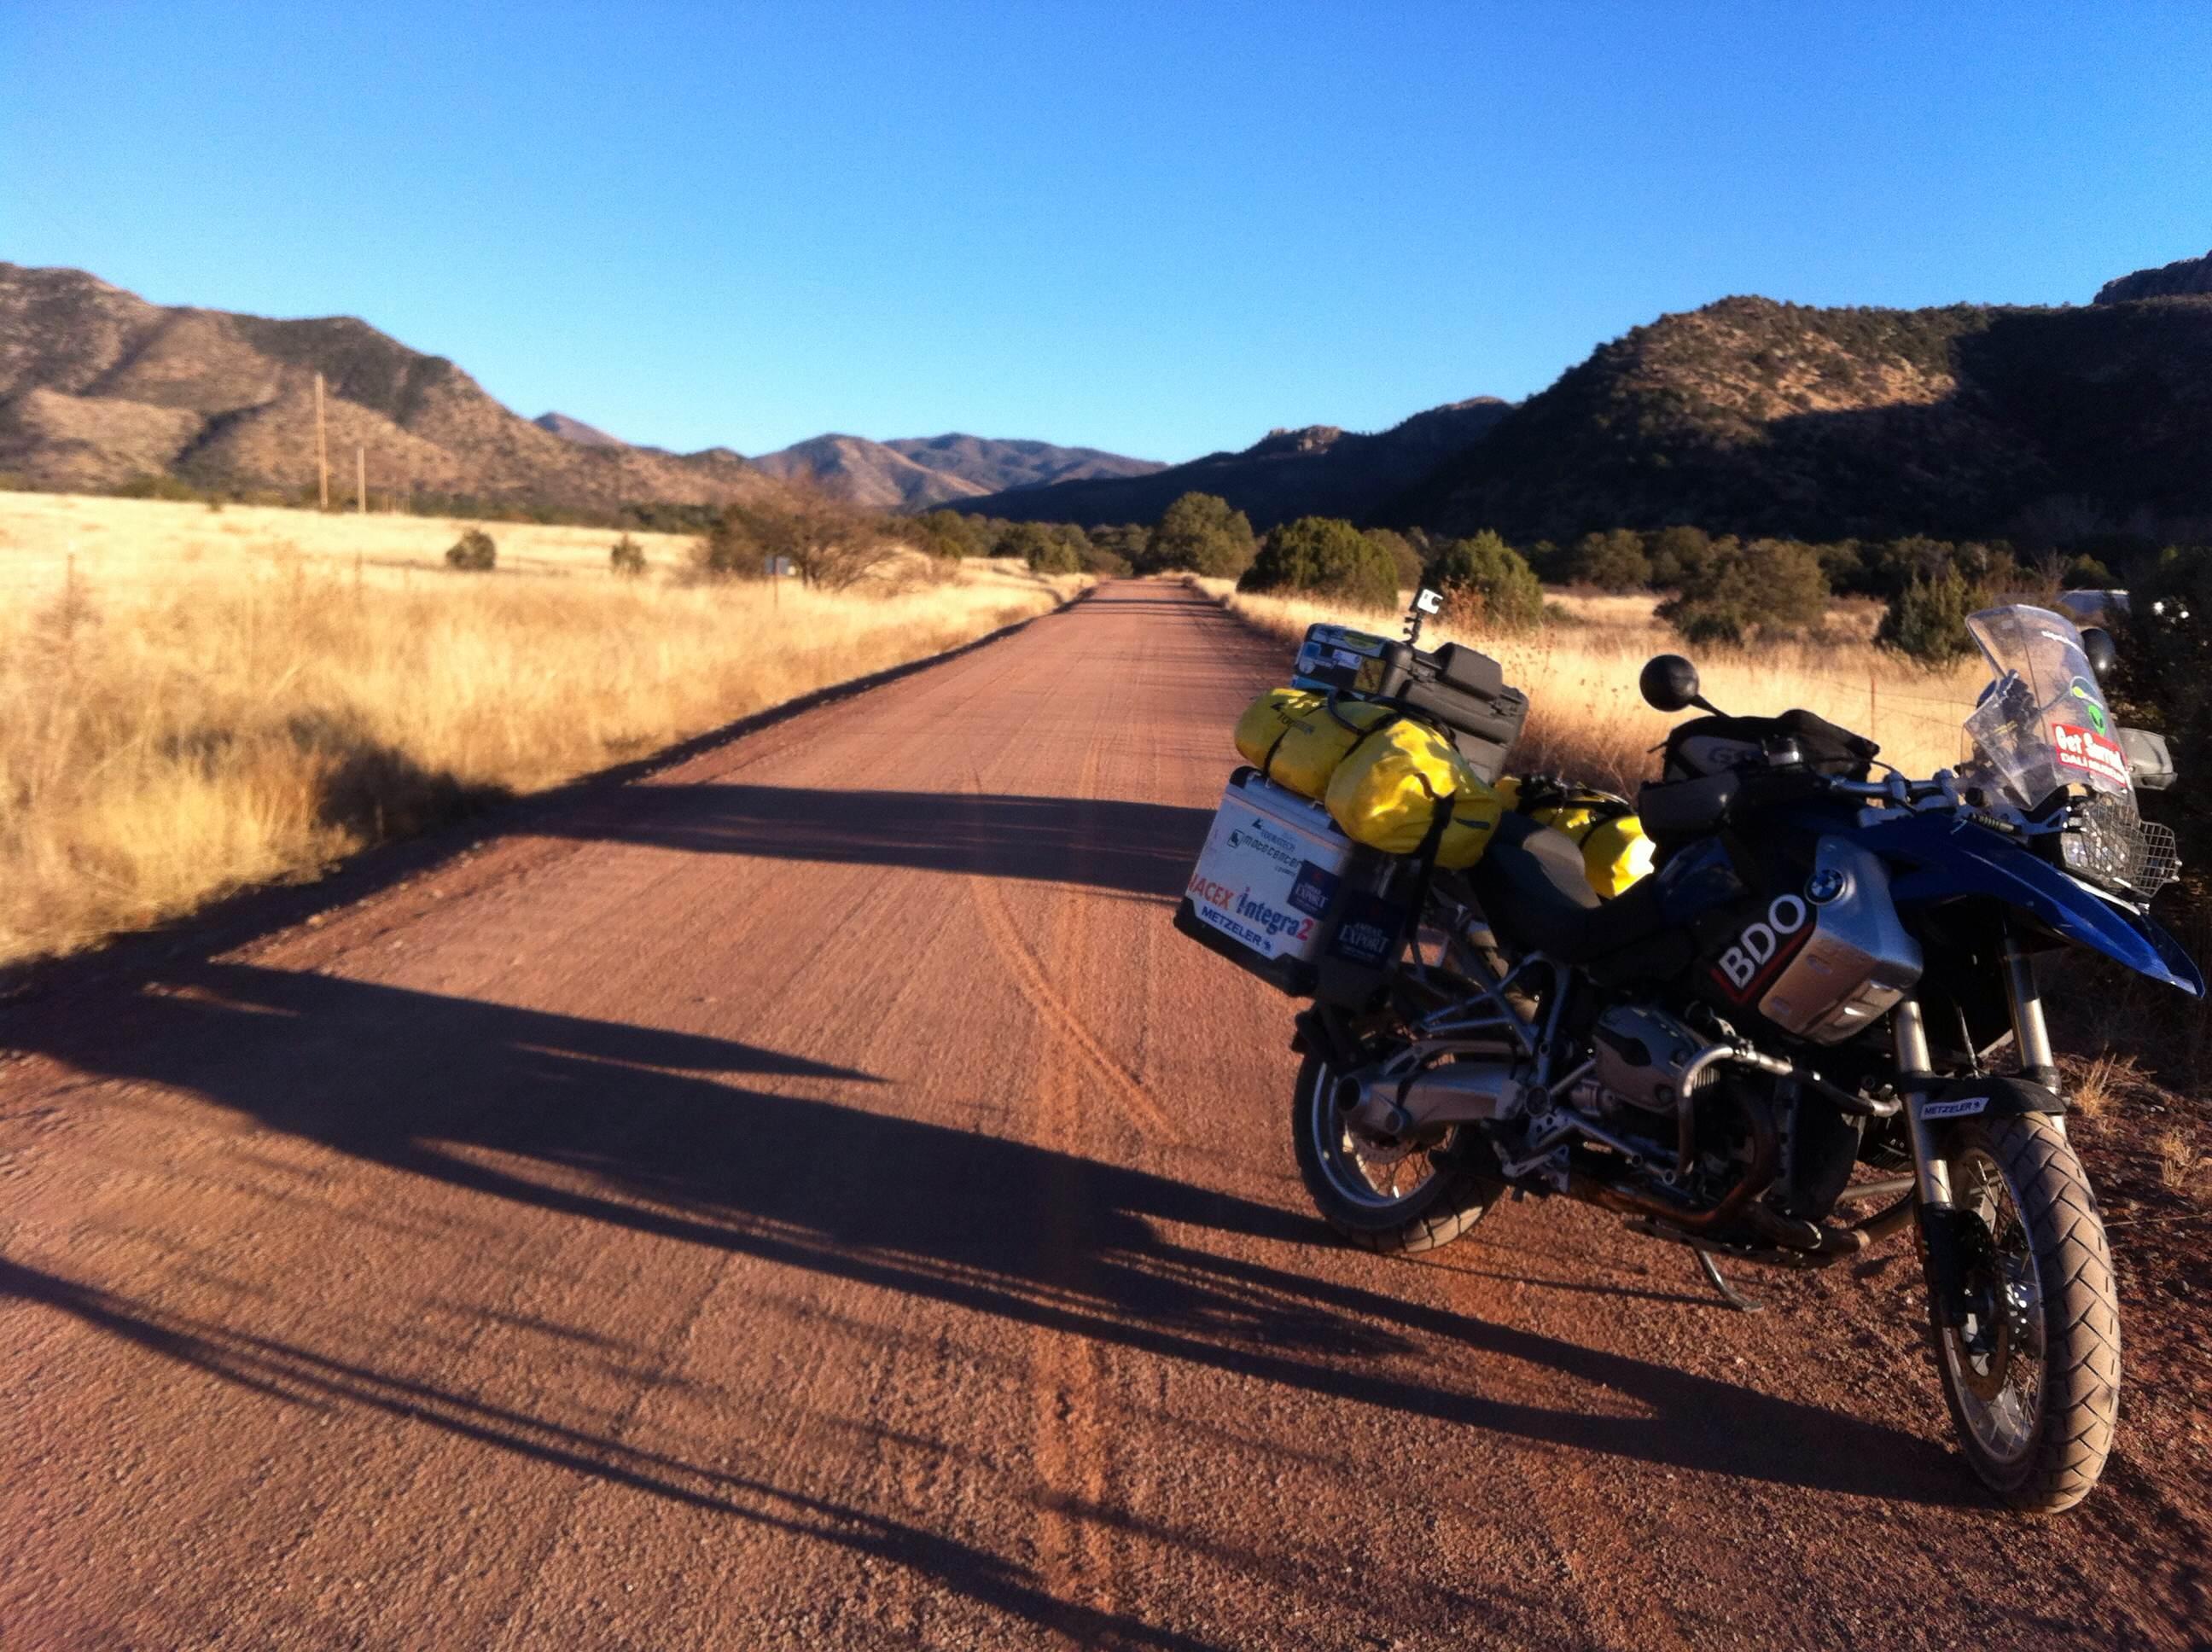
(2043,725)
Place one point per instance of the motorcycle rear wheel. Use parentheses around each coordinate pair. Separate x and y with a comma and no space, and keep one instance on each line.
(2032,1379)
(1385,1200)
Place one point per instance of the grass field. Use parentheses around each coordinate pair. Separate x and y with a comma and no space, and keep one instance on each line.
(184,710)
(113,542)
(1587,719)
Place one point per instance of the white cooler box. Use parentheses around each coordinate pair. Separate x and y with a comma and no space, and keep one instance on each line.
(1281,892)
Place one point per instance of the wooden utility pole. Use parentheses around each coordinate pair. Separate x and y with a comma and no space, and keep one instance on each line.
(322,445)
(361,479)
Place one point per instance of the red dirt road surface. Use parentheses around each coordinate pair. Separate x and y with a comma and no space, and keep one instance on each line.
(812,1198)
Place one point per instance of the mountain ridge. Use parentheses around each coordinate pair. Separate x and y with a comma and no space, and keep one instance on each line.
(1312,471)
(99,388)
(918,472)
(1751,416)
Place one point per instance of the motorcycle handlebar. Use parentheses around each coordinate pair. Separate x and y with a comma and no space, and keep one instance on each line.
(1896,789)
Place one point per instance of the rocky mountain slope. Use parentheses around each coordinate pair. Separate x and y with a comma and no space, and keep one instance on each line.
(1753,416)
(2184,278)
(98,387)
(915,473)
(1317,470)
(576,430)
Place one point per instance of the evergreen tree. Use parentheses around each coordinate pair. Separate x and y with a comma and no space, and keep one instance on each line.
(1487,582)
(1199,533)
(1330,558)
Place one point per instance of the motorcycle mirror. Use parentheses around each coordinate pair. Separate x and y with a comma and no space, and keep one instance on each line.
(2104,658)
(1669,683)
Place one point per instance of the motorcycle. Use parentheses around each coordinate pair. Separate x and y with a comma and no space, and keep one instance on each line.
(1817,1023)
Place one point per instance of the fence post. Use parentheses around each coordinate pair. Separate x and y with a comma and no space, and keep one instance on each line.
(322,446)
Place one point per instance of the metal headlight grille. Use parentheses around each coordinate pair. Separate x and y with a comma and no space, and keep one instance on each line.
(2110,844)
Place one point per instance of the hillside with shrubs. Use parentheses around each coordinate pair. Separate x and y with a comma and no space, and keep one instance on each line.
(1754,418)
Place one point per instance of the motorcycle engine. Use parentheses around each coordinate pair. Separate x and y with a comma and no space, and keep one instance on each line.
(1642,1055)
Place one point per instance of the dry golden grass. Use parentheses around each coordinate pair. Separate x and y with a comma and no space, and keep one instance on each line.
(2180,1164)
(113,542)
(1587,719)
(170,734)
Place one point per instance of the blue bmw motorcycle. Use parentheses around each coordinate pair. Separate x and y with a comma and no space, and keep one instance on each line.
(1817,1023)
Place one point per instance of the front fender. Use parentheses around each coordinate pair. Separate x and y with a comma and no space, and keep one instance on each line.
(1944,858)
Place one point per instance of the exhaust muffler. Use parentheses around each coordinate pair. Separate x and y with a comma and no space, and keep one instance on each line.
(1453,1092)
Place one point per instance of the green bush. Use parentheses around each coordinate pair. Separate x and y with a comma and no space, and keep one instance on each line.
(1047,549)
(1486,583)
(949,534)
(474,551)
(1403,557)
(1199,534)
(1766,589)
(627,557)
(1927,620)
(1676,553)
(1611,561)
(733,546)
(1328,557)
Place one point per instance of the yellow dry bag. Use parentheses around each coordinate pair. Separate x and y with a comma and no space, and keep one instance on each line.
(1615,851)
(1297,739)
(1387,792)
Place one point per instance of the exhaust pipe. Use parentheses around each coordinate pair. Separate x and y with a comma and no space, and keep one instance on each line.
(1453,1093)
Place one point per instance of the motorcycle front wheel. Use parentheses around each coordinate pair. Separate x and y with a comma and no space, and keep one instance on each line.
(1403,1198)
(2032,1374)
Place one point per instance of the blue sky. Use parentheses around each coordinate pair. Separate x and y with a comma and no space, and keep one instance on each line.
(1159,229)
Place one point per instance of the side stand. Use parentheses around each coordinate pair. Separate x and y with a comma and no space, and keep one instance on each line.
(1729,1294)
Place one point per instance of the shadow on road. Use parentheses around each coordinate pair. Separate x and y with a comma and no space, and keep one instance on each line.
(1139,848)
(632,1131)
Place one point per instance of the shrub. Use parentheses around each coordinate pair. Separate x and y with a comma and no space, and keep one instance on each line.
(1768,588)
(1327,556)
(949,534)
(832,545)
(1676,553)
(1485,582)
(628,558)
(1403,557)
(1199,534)
(474,551)
(1117,551)
(1927,620)
(1047,549)
(1611,561)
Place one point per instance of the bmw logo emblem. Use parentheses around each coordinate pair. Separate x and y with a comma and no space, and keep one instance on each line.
(1825,885)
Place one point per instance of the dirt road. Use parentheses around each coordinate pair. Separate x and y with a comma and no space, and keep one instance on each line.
(813,1199)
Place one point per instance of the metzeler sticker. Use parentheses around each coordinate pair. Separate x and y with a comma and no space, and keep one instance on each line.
(2089,751)
(1954,1109)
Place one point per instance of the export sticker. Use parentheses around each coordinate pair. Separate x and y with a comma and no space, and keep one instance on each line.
(1314,889)
(2089,751)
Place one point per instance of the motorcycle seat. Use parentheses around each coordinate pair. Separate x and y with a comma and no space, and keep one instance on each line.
(1534,892)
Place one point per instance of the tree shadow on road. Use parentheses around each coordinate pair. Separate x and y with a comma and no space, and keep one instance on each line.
(695,1140)
(1107,843)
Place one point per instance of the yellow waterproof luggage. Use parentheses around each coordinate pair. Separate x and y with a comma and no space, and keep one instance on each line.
(1387,792)
(1294,737)
(1615,851)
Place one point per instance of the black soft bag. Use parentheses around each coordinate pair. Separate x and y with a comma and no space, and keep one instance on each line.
(1717,746)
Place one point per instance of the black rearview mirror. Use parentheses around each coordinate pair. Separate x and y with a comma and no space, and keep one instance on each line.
(1669,683)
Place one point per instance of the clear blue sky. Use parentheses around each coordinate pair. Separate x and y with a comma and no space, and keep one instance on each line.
(1155,230)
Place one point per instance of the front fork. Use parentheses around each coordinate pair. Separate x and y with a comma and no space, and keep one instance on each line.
(1943,1232)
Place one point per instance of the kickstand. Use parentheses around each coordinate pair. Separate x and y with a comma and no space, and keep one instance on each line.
(1729,1294)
